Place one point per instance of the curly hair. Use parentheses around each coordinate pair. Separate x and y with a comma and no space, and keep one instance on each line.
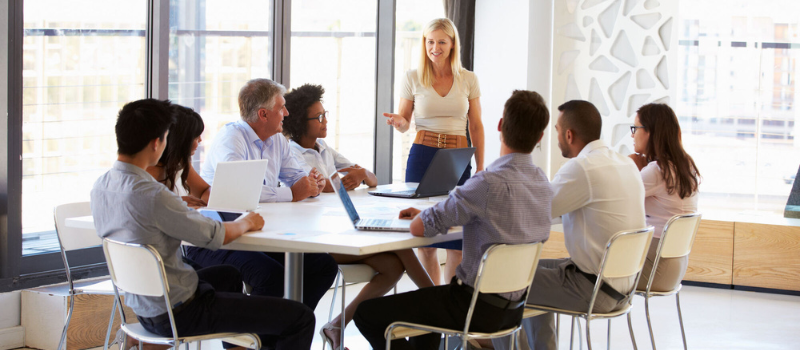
(298,101)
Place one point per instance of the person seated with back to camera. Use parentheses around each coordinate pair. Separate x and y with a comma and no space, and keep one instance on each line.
(507,203)
(257,135)
(597,193)
(129,205)
(306,128)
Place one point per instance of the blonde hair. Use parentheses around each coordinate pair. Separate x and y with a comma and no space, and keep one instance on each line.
(425,70)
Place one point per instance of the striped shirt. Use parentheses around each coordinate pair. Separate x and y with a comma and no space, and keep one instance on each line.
(508,203)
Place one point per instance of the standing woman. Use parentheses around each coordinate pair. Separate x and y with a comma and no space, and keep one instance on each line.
(442,96)
(670,180)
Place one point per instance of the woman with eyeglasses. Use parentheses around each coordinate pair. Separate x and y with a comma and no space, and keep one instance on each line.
(306,127)
(671,182)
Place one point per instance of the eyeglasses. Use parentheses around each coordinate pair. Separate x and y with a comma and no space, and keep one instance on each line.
(320,117)
(634,127)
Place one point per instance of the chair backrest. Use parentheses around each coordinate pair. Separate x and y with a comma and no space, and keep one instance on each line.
(72,238)
(136,268)
(625,253)
(679,234)
(508,268)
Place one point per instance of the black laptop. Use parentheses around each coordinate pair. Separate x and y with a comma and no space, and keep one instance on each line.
(443,173)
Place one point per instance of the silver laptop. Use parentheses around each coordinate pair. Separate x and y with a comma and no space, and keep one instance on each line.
(442,175)
(237,186)
(366,223)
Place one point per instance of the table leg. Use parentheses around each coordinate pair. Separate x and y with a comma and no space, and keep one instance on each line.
(293,277)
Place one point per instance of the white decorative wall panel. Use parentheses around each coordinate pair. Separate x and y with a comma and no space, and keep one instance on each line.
(616,54)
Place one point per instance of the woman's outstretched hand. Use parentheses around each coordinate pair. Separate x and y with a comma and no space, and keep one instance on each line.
(397,121)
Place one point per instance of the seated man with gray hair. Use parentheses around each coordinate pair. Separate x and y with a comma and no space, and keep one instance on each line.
(258,136)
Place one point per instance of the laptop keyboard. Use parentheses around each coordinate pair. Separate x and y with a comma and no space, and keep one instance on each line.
(408,192)
(375,223)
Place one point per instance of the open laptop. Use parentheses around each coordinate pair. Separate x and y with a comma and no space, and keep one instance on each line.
(237,186)
(442,175)
(365,224)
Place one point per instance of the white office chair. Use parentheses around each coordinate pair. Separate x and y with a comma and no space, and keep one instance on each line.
(624,256)
(676,242)
(349,273)
(70,238)
(139,269)
(494,276)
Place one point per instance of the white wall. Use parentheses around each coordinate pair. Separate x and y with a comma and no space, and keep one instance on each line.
(512,51)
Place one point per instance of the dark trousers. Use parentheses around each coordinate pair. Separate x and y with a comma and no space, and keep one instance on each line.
(442,306)
(219,306)
(264,271)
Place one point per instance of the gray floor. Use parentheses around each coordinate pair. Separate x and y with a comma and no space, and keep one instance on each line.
(714,319)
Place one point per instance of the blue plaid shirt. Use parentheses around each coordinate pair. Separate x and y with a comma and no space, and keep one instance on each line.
(508,203)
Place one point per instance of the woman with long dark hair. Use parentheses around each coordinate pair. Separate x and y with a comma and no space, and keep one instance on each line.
(671,181)
(175,169)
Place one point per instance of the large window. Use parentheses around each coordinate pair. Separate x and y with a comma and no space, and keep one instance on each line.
(79,68)
(412,16)
(335,48)
(215,47)
(736,94)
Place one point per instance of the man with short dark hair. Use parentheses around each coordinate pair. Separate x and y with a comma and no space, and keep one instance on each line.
(129,205)
(598,193)
(507,203)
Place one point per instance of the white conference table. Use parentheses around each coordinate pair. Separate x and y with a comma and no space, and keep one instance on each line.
(321,225)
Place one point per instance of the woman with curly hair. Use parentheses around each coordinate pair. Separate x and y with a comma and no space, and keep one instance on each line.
(670,180)
(306,126)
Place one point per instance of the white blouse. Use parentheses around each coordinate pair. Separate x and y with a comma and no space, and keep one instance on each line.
(443,115)
(660,206)
(327,160)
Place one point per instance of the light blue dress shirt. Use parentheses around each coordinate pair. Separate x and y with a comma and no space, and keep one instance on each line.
(238,141)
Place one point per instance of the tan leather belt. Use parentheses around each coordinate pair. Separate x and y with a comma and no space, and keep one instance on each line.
(432,139)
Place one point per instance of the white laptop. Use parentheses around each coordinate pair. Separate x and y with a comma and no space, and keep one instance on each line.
(366,223)
(237,186)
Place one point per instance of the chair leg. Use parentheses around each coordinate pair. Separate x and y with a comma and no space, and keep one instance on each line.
(649,323)
(608,335)
(680,319)
(588,335)
(630,329)
(62,343)
(342,325)
(558,326)
(333,299)
(514,340)
(572,332)
(110,324)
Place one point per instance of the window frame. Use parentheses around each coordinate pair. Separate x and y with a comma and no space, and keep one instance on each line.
(20,272)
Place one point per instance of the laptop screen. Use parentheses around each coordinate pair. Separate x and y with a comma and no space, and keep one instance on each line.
(338,187)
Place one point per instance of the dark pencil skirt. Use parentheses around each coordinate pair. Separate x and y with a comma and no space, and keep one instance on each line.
(419,158)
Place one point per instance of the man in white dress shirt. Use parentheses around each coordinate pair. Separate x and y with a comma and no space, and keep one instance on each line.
(597,193)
